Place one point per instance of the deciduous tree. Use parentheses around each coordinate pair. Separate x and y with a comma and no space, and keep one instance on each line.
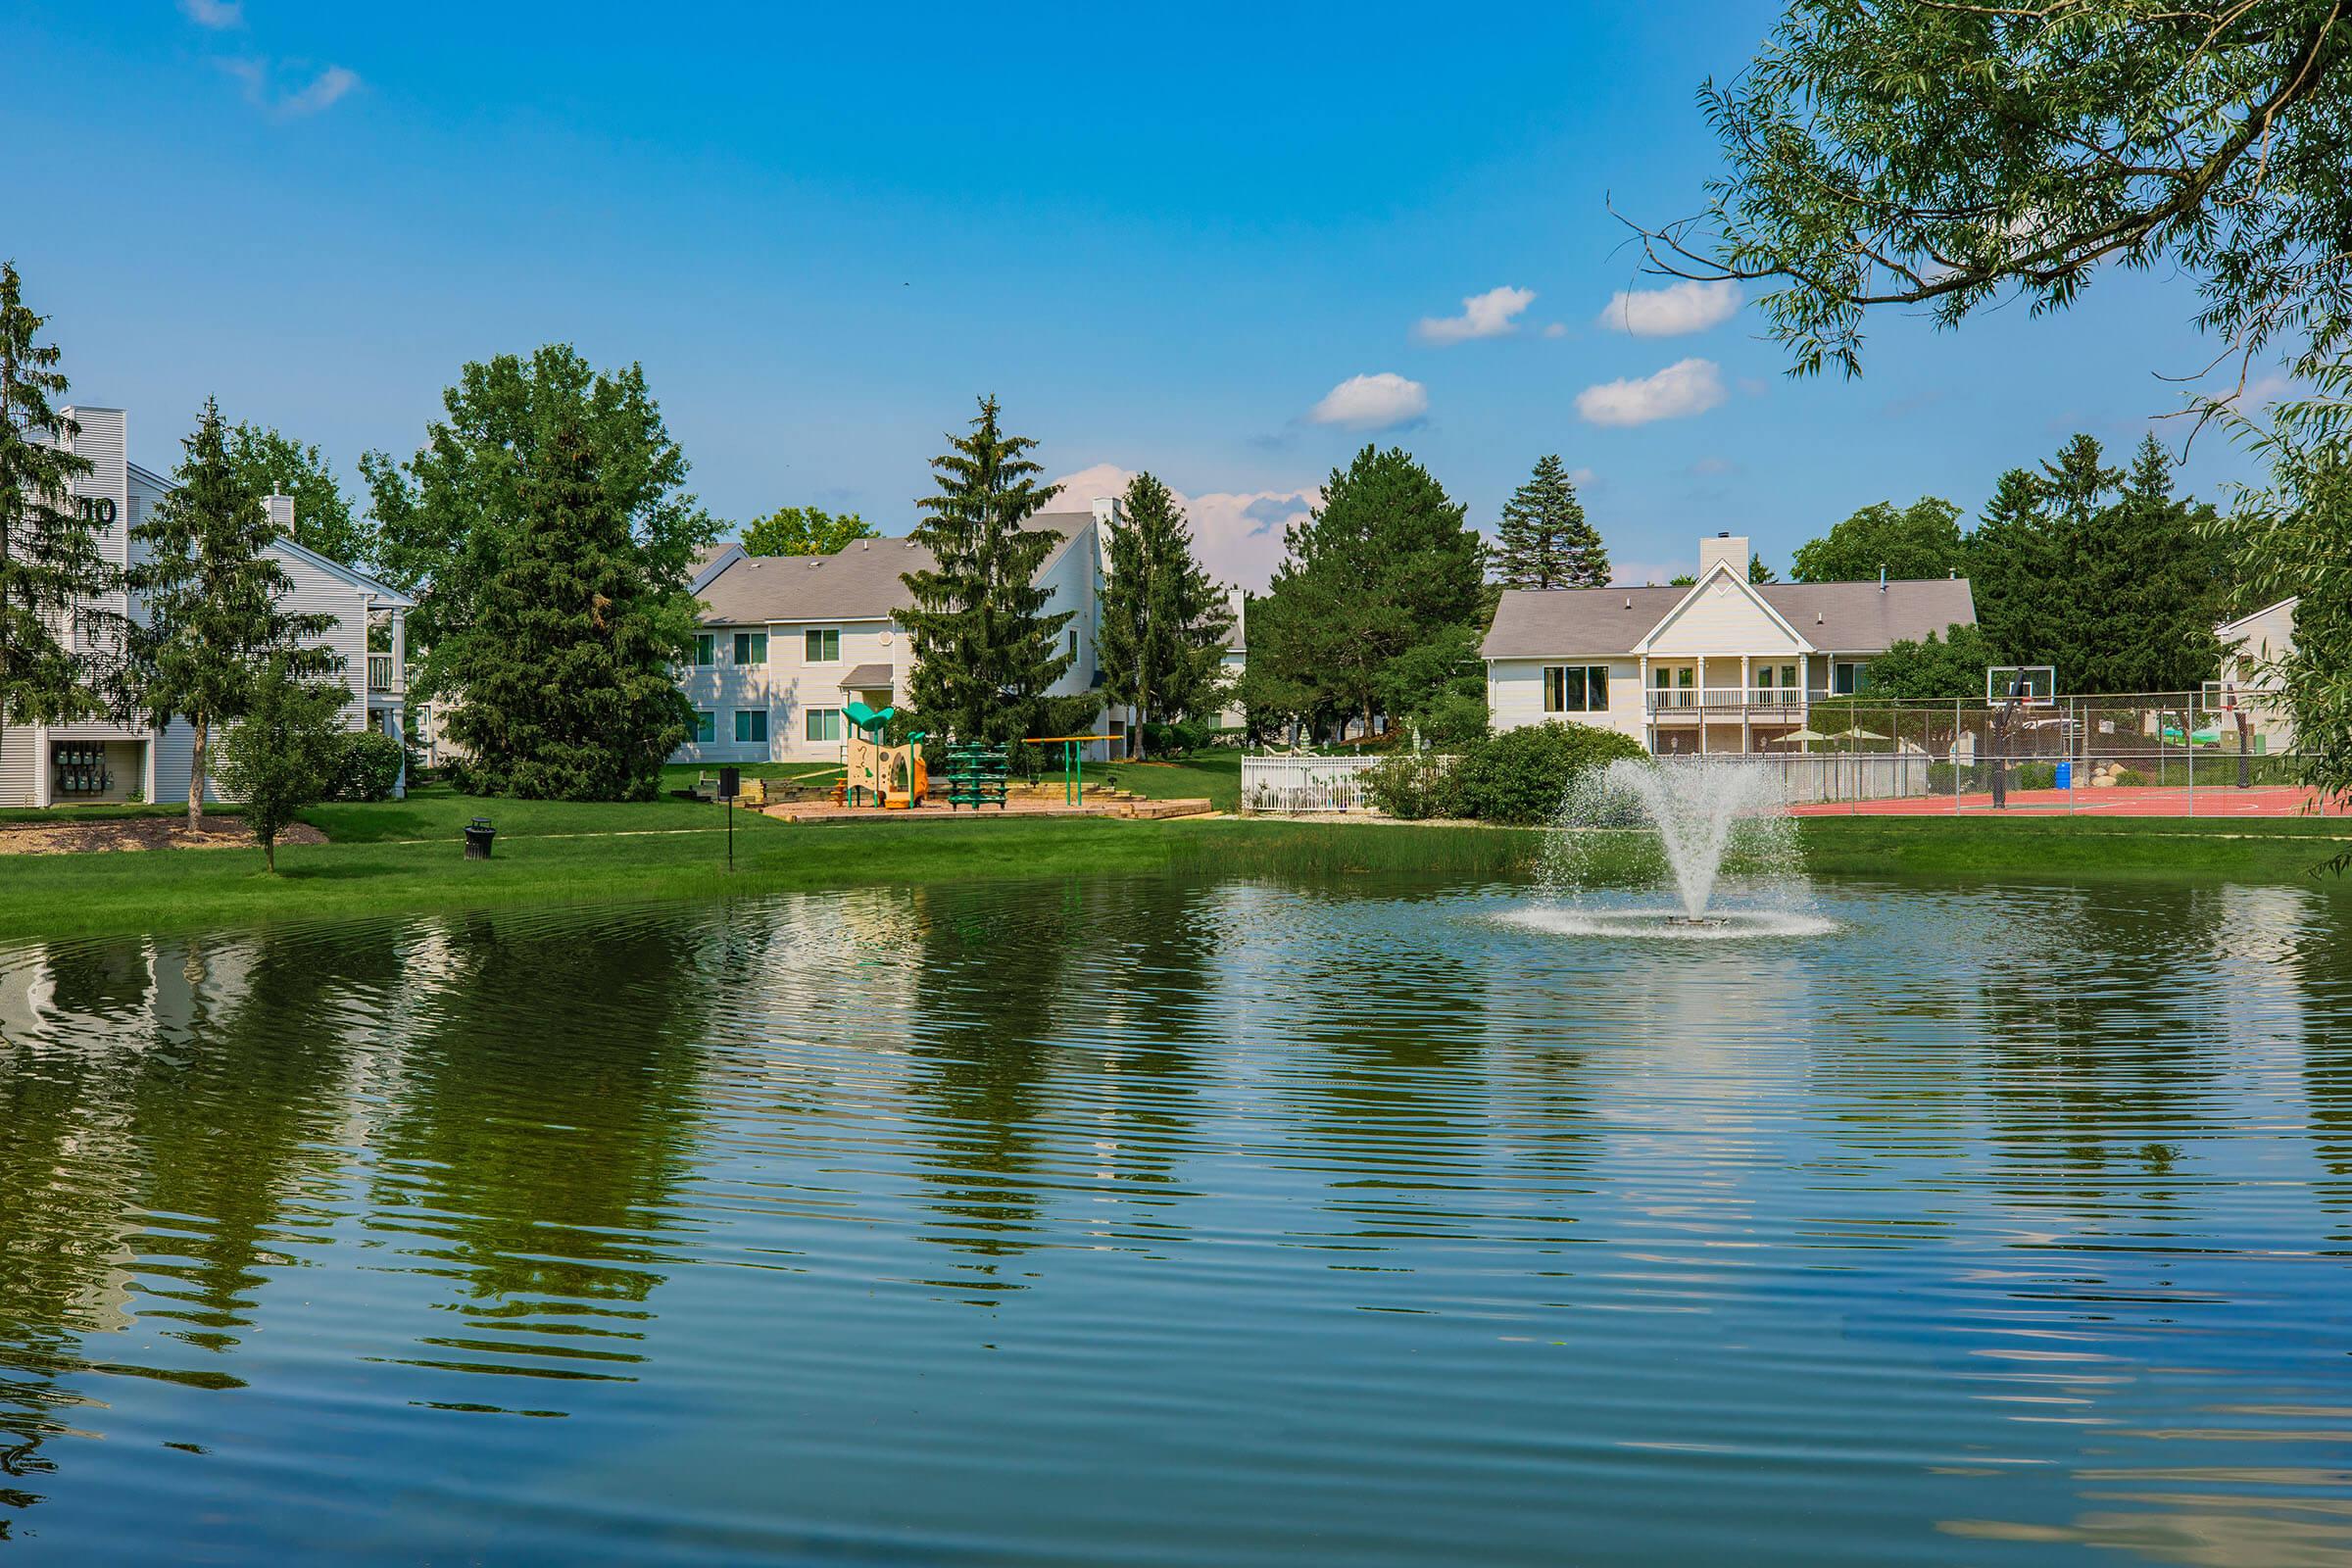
(1920,540)
(267,462)
(214,599)
(282,754)
(805,531)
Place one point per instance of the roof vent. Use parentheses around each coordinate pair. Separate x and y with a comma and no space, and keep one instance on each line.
(865,544)
(1881,576)
(1629,601)
(1817,618)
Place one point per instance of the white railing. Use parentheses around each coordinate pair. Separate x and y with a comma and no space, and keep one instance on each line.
(1304,783)
(379,673)
(1725,699)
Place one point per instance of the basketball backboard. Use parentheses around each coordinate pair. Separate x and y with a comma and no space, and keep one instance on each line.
(2035,685)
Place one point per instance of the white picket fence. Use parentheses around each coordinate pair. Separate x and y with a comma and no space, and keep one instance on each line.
(1826,776)
(1304,783)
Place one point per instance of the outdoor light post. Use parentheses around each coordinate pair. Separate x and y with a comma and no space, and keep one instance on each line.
(730,785)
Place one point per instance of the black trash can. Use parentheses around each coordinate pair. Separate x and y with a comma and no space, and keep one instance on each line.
(479,834)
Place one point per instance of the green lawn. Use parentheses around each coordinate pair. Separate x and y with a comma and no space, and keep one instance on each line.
(1215,774)
(683,775)
(406,857)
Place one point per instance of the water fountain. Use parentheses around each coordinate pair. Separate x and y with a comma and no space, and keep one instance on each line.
(1675,822)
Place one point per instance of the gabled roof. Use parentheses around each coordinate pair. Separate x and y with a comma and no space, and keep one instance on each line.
(2226,627)
(859,583)
(1739,585)
(383,593)
(1845,617)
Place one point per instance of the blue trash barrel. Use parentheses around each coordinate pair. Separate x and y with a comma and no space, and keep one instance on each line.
(2066,776)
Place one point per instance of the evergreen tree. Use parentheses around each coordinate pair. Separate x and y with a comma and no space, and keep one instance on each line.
(59,636)
(213,597)
(567,665)
(985,650)
(1543,540)
(1165,619)
(269,463)
(445,520)
(805,531)
(1376,606)
(2156,587)
(2012,572)
(1759,572)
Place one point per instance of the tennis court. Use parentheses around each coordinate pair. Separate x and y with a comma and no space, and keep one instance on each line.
(2122,799)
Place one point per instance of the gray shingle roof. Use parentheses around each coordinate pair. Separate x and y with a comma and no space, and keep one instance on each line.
(866,678)
(859,583)
(1845,617)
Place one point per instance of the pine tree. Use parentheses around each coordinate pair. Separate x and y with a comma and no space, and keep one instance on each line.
(2012,566)
(985,651)
(213,597)
(59,636)
(2151,586)
(1165,619)
(567,665)
(1376,606)
(1543,539)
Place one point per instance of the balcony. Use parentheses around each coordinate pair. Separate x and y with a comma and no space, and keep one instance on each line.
(384,675)
(1767,703)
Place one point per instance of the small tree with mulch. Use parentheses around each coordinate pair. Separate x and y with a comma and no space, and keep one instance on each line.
(284,756)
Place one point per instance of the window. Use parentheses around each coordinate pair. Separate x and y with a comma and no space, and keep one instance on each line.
(706,728)
(1777,677)
(706,649)
(1577,688)
(750,726)
(751,647)
(823,648)
(825,724)
(1847,676)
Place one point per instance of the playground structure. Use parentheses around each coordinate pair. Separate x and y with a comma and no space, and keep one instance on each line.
(975,775)
(1073,785)
(891,777)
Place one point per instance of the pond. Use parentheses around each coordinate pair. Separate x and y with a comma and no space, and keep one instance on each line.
(1184,1222)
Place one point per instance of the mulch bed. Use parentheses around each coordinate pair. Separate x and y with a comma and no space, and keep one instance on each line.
(138,833)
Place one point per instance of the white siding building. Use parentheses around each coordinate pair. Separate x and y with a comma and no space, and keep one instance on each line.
(2250,646)
(1722,664)
(788,640)
(96,762)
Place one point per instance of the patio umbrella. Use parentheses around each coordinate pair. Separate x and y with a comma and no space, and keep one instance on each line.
(1795,735)
(1857,733)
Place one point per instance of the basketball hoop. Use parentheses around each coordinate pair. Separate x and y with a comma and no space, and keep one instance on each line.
(2025,685)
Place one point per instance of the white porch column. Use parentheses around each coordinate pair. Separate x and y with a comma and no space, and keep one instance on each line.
(400,654)
(1650,719)
(1747,691)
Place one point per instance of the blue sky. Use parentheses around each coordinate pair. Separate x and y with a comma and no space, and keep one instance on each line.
(1200,241)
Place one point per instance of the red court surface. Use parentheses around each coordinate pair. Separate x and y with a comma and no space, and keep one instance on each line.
(2269,800)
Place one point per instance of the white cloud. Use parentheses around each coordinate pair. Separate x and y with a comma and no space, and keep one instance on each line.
(261,78)
(1236,533)
(1488,315)
(1671,312)
(1684,388)
(1372,402)
(215,14)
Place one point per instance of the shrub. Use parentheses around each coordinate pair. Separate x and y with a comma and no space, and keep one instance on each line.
(1413,786)
(2125,778)
(1163,742)
(1455,718)
(2036,775)
(1520,776)
(283,755)
(366,765)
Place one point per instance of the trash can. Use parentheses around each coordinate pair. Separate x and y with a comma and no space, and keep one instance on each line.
(2066,776)
(479,834)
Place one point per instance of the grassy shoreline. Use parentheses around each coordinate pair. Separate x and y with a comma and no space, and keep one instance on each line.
(404,857)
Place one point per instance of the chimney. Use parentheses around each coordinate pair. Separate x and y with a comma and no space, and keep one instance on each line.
(281,513)
(1729,548)
(1106,511)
